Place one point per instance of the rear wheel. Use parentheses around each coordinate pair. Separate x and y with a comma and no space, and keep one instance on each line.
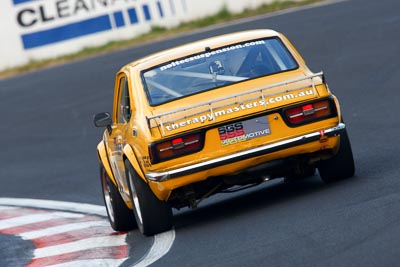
(120,216)
(341,166)
(152,215)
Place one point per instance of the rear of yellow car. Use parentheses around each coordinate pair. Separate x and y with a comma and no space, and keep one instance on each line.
(245,143)
(227,113)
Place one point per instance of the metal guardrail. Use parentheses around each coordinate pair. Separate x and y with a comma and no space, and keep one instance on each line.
(263,96)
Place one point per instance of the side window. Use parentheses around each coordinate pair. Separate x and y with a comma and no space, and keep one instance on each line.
(124,106)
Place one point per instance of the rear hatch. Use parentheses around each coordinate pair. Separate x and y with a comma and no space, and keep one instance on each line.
(241,120)
(239,101)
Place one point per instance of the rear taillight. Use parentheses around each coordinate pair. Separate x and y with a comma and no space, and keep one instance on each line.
(309,112)
(175,147)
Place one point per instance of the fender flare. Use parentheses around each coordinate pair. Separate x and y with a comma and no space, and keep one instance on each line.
(131,156)
(103,158)
(338,108)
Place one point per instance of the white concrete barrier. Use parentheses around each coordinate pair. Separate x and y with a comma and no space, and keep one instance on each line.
(41,29)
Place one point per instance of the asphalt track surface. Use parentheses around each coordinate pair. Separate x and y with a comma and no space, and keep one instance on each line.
(48,149)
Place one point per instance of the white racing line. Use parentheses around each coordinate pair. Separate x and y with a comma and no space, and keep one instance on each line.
(161,245)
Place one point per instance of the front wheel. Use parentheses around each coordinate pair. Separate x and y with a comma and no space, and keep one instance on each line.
(120,216)
(152,215)
(340,166)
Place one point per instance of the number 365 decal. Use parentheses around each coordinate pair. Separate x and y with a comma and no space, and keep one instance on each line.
(243,131)
(231,131)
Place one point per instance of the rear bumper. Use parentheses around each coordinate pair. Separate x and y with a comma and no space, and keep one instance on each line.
(251,153)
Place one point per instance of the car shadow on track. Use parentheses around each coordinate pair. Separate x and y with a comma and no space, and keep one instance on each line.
(265,196)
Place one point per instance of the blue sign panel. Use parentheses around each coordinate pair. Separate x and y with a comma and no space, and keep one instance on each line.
(41,13)
(66,32)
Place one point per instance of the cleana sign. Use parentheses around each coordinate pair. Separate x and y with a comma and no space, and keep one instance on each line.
(41,29)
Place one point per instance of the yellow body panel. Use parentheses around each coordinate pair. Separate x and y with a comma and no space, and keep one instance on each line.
(102,154)
(128,151)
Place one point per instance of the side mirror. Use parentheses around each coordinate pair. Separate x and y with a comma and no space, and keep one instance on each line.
(102,119)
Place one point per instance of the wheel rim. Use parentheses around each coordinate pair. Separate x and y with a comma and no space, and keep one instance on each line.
(135,198)
(108,199)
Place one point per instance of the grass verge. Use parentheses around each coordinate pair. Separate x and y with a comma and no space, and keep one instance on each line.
(222,16)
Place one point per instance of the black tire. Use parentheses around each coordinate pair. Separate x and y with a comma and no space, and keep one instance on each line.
(120,216)
(152,215)
(341,166)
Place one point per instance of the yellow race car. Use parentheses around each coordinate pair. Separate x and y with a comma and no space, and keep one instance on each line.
(216,115)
